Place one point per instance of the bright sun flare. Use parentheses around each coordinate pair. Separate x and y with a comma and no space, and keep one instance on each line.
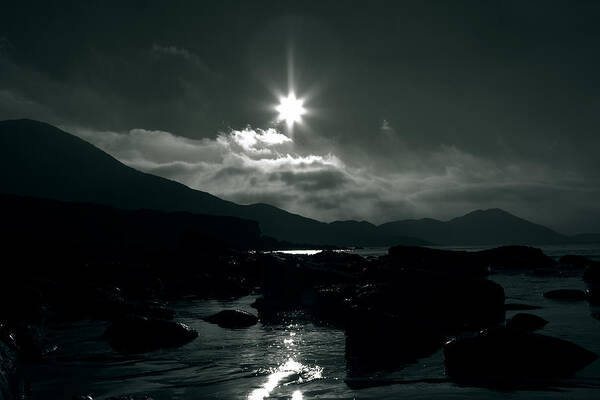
(290,109)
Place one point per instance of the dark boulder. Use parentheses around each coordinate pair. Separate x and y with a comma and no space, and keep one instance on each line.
(378,341)
(449,262)
(450,304)
(11,382)
(515,258)
(139,334)
(339,261)
(506,357)
(32,342)
(391,325)
(593,295)
(232,319)
(467,263)
(475,303)
(526,322)
(123,397)
(566,295)
(592,273)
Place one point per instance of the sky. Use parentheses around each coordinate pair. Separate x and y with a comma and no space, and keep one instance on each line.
(414,108)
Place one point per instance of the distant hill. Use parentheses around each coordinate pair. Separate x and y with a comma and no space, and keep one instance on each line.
(479,227)
(43,225)
(37,159)
(586,238)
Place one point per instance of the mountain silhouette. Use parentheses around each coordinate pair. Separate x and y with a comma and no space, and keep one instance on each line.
(480,227)
(39,160)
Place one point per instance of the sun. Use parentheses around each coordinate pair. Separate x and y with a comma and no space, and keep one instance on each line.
(290,109)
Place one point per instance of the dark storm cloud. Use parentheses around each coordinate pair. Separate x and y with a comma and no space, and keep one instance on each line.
(417,108)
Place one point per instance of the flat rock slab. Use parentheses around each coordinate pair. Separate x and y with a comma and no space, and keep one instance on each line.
(506,357)
(140,335)
(566,295)
(233,319)
(526,322)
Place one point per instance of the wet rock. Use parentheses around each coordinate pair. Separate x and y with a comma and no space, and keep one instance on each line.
(379,341)
(436,260)
(339,260)
(392,325)
(526,322)
(143,309)
(473,303)
(10,382)
(507,258)
(448,303)
(593,295)
(32,343)
(566,295)
(334,304)
(233,319)
(592,273)
(139,334)
(131,397)
(289,281)
(520,307)
(82,397)
(506,357)
(472,264)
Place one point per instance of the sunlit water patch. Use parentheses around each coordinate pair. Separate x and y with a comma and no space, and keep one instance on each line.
(289,372)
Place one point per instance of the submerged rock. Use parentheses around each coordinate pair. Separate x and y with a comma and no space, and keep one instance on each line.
(233,319)
(12,383)
(123,397)
(32,343)
(139,334)
(526,322)
(471,264)
(507,357)
(379,341)
(520,307)
(516,258)
(8,371)
(389,325)
(566,294)
(592,273)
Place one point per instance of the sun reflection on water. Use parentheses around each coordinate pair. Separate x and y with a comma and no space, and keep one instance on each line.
(297,395)
(287,373)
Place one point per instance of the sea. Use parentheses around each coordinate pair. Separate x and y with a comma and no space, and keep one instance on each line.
(297,359)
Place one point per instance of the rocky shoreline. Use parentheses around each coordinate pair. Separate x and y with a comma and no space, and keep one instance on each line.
(394,309)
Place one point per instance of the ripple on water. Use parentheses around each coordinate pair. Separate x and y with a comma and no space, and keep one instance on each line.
(287,373)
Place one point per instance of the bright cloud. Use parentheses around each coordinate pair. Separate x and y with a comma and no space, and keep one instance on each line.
(255,165)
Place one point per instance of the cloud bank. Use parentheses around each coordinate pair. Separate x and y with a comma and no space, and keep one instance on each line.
(267,166)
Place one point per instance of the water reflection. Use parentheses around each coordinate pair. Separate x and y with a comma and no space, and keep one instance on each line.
(289,372)
(297,395)
(306,252)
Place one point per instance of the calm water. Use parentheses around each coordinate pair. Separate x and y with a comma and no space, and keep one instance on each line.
(294,360)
